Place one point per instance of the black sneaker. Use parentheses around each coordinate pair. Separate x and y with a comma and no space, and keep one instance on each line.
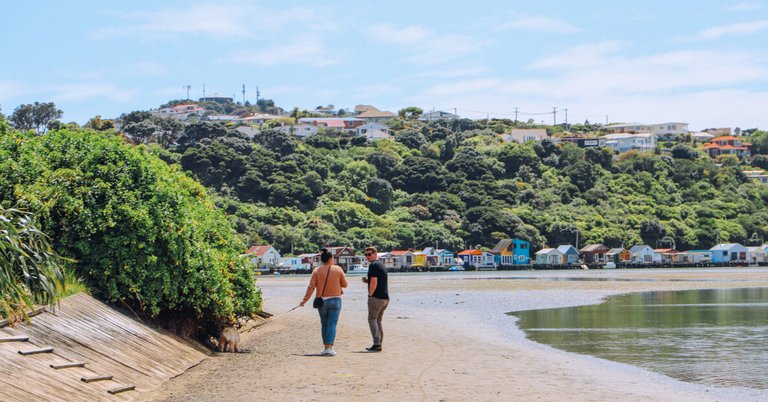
(374,348)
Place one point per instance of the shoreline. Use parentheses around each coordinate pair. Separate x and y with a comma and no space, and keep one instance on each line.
(447,340)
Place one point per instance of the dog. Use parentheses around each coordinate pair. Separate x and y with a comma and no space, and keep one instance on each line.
(229,340)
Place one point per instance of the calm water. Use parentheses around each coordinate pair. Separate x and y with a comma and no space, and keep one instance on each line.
(716,337)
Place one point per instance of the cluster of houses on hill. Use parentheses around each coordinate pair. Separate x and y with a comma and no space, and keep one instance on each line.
(516,254)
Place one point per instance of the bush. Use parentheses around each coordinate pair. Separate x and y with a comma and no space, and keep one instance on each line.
(145,236)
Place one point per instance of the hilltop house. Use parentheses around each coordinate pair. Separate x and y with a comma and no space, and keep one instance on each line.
(512,252)
(727,145)
(585,142)
(438,115)
(522,135)
(668,131)
(373,115)
(263,257)
(623,142)
(334,123)
(373,131)
(300,130)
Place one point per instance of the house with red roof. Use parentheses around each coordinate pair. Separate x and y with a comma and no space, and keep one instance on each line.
(263,257)
(727,145)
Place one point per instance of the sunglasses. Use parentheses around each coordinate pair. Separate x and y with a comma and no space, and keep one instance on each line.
(368,254)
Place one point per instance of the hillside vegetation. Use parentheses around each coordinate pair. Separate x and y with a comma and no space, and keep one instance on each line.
(457,184)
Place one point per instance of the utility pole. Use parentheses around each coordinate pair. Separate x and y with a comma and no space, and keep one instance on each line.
(516,110)
(458,121)
(257,93)
(243,94)
(204,93)
(566,119)
(554,115)
(187,87)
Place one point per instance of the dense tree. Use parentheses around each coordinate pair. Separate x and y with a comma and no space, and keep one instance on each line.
(681,151)
(37,115)
(411,112)
(411,138)
(514,156)
(99,124)
(416,174)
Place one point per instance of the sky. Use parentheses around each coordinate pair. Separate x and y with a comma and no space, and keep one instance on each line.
(700,62)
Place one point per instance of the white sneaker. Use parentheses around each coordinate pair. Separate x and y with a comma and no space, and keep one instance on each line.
(324,352)
(330,352)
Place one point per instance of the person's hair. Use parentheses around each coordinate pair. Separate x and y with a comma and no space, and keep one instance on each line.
(325,255)
(371,249)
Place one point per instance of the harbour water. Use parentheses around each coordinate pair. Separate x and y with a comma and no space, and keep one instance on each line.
(716,337)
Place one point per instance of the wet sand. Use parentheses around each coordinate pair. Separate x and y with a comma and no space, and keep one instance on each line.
(447,338)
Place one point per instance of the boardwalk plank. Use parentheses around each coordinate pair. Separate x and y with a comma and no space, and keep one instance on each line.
(84,330)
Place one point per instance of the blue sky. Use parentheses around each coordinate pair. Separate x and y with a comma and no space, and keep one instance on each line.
(702,62)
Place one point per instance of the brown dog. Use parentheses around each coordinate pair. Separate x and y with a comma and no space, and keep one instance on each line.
(229,340)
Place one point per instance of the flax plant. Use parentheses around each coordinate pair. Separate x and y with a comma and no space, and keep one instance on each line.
(30,271)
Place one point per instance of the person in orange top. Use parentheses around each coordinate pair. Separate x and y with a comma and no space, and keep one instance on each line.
(328,280)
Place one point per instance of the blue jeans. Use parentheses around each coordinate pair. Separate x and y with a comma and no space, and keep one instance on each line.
(329,317)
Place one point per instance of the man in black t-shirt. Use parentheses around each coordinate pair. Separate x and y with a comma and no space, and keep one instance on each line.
(378,296)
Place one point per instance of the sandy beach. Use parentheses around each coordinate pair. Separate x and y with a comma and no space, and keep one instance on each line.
(447,338)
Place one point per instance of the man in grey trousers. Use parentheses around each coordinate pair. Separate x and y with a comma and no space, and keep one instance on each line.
(378,296)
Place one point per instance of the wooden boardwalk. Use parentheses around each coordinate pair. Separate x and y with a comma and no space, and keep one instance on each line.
(97,354)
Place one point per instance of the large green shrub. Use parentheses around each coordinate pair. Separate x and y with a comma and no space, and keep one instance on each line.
(144,234)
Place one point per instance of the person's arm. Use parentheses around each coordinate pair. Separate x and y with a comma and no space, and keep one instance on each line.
(372,285)
(343,282)
(310,288)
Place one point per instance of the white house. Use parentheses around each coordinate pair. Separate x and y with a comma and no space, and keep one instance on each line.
(666,130)
(641,254)
(300,130)
(438,115)
(522,135)
(263,257)
(259,119)
(757,175)
(623,142)
(755,255)
(289,264)
(180,112)
(374,131)
(549,256)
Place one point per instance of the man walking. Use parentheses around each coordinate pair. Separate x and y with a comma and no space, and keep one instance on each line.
(378,296)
